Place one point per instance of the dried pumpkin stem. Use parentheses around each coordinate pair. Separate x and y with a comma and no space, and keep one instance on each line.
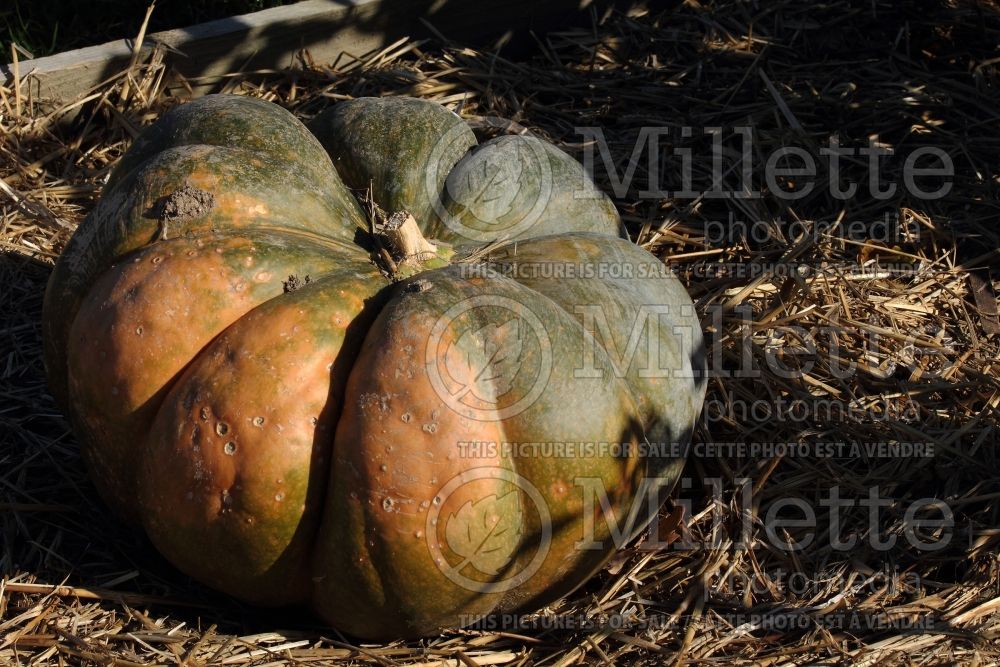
(407,246)
(405,241)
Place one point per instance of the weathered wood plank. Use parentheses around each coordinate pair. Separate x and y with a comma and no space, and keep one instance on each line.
(270,38)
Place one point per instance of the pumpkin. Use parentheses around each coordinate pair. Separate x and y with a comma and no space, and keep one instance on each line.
(370,365)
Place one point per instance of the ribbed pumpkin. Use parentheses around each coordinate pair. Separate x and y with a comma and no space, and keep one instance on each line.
(303,399)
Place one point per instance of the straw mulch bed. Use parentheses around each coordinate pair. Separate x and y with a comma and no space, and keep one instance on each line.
(918,327)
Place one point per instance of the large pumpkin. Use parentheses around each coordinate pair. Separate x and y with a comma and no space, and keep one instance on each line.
(304,397)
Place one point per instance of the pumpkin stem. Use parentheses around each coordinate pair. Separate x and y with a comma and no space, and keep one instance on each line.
(409,251)
(404,240)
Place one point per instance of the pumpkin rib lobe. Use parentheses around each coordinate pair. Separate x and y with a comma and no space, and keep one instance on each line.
(238,454)
(153,329)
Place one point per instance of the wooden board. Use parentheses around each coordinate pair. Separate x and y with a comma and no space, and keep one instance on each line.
(269,39)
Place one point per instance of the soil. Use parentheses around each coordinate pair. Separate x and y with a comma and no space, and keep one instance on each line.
(294,282)
(186,203)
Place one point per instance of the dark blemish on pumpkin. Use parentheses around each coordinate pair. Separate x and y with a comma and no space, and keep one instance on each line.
(373,400)
(406,417)
(258,421)
(279,496)
(229,448)
(419,286)
(431,427)
(227,502)
(388,504)
(205,412)
(138,331)
(222,428)
(294,282)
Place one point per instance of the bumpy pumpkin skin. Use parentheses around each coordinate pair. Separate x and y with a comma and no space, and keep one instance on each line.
(218,164)
(290,425)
